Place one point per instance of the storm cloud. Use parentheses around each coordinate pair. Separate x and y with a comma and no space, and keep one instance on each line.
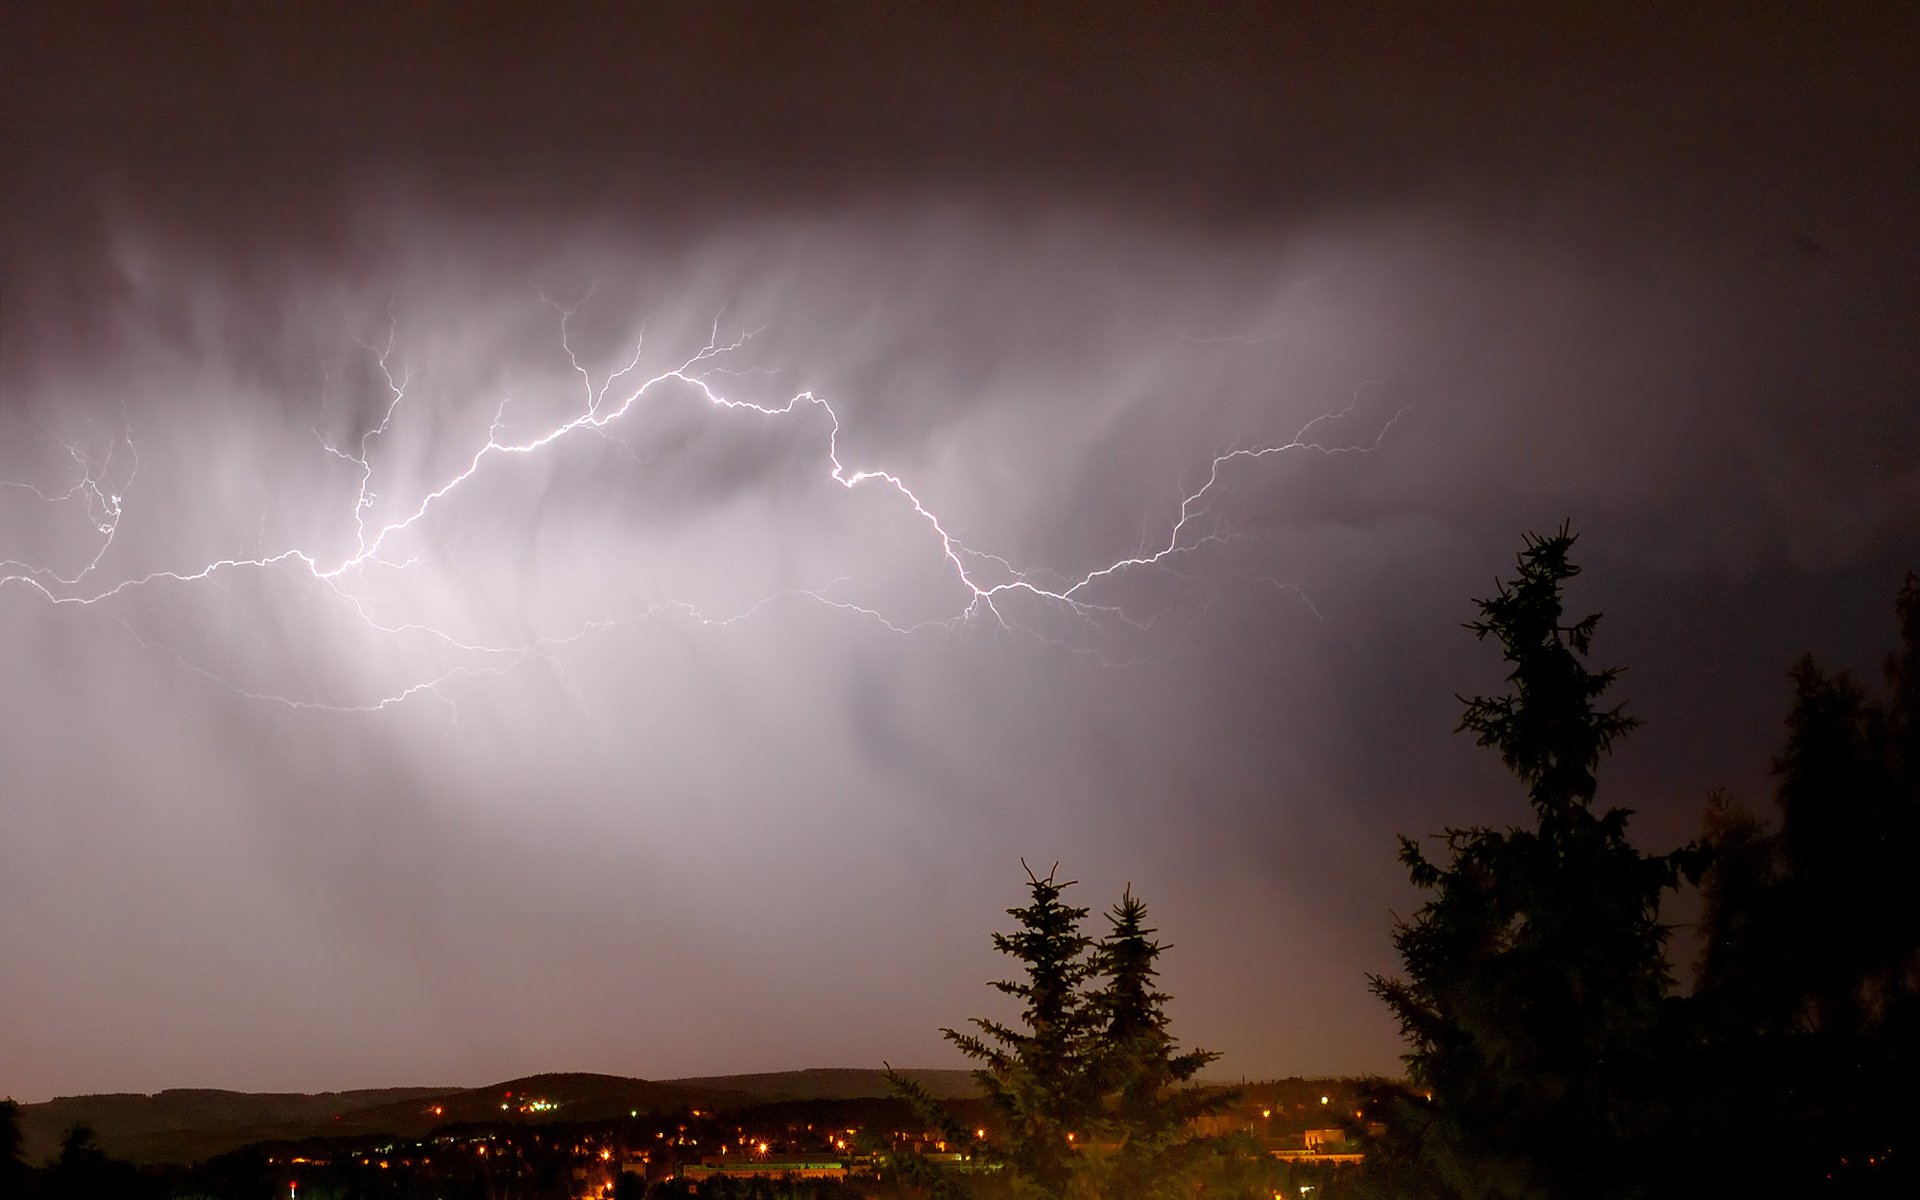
(658,750)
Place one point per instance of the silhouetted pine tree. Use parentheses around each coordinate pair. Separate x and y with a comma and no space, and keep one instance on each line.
(1039,1078)
(1534,996)
(1144,1145)
(1091,1095)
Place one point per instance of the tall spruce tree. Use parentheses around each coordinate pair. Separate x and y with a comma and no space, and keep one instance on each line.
(1145,1144)
(1039,1079)
(1533,998)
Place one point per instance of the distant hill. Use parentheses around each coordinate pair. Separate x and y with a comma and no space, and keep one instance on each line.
(573,1096)
(836,1083)
(164,1126)
(188,1125)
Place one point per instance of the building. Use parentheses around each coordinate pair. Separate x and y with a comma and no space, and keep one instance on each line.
(765,1167)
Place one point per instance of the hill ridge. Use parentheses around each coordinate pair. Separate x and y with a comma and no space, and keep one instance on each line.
(190,1124)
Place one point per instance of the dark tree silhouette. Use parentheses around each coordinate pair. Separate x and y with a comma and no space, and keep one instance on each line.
(1038,1079)
(1145,1132)
(1809,975)
(1090,1094)
(83,1171)
(629,1186)
(15,1175)
(1534,997)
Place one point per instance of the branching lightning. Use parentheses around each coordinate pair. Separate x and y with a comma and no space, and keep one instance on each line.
(986,585)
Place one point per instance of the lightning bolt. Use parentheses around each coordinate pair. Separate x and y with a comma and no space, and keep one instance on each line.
(989,587)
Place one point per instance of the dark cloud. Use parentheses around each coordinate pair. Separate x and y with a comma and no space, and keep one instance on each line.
(1654,274)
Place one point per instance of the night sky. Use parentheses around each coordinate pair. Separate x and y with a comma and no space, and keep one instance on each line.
(656,750)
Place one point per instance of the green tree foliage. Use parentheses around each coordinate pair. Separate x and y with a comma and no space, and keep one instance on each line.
(1809,975)
(1090,1093)
(1535,991)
